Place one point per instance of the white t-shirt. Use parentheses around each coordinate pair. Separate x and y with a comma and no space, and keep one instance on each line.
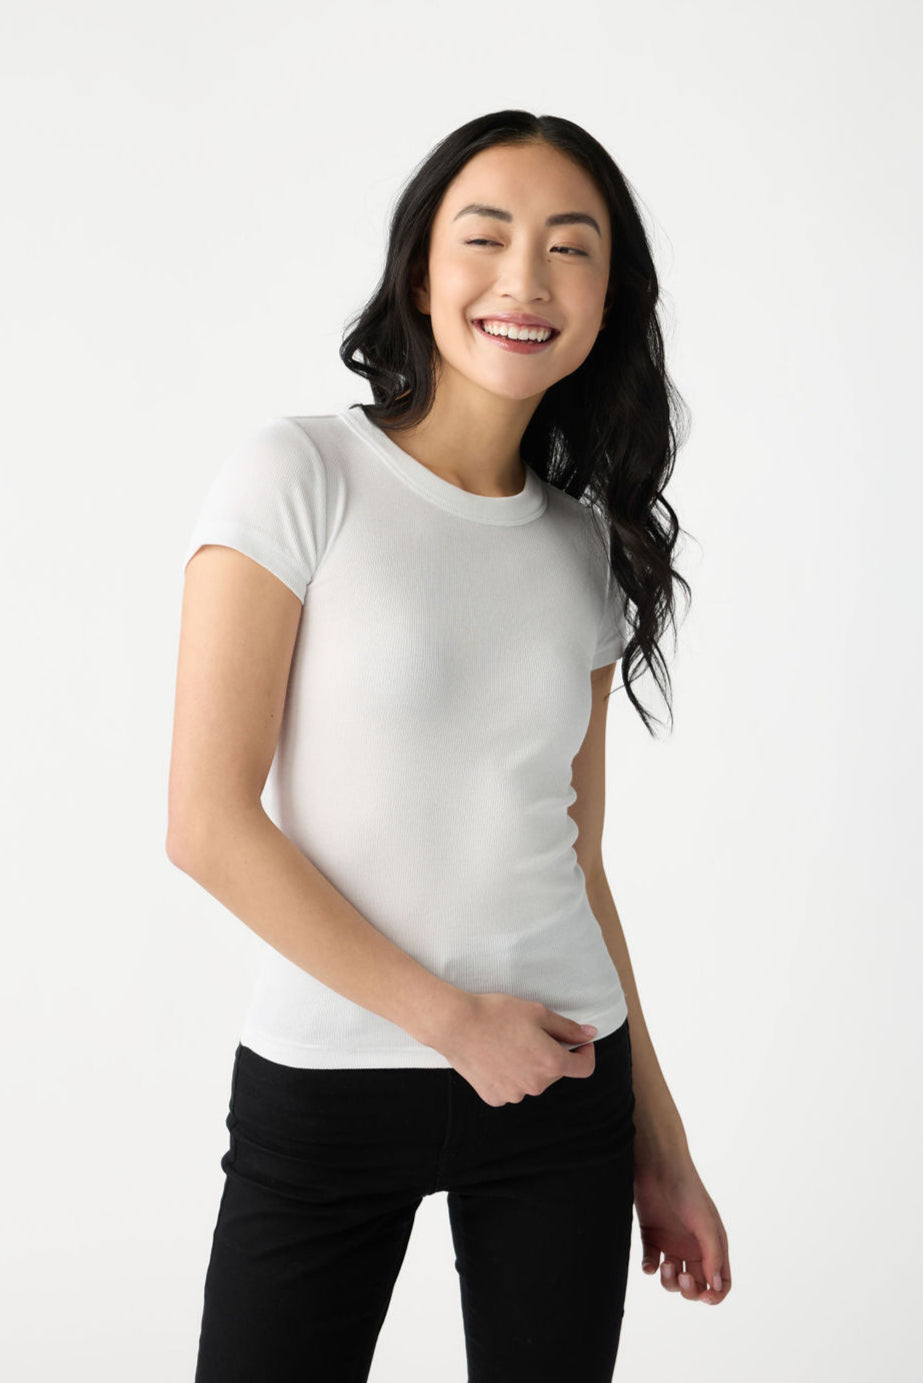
(439,691)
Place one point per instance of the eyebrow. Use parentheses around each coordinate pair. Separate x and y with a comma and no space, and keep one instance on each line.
(563,218)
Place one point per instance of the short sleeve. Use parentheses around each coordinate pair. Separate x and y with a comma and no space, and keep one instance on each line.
(613,633)
(613,629)
(268,500)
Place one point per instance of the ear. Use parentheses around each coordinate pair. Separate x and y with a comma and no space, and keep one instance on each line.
(420,293)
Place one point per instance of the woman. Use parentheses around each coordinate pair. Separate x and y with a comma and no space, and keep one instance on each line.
(409,613)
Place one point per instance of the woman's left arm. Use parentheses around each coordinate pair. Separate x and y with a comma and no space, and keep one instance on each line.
(677,1217)
(660,1136)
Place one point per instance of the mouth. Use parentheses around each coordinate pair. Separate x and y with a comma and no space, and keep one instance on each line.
(519,345)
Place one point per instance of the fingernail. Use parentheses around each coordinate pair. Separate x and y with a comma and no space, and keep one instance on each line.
(668,1269)
(589,1029)
(717,1282)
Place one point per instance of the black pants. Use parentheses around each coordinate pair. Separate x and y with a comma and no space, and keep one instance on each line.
(324,1174)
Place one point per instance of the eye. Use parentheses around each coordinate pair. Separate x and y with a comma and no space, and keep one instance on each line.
(569,248)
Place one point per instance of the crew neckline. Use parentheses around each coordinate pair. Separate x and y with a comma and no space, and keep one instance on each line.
(502,509)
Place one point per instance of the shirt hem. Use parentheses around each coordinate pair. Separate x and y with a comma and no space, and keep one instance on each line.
(304,1056)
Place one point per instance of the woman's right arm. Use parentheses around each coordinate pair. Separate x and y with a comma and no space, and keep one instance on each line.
(238,629)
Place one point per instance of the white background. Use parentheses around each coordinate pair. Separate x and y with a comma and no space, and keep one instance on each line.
(195,203)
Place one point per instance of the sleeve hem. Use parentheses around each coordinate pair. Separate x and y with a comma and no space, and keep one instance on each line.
(610,653)
(253,543)
(613,639)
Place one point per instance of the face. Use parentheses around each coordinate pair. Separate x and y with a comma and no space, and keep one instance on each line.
(483,265)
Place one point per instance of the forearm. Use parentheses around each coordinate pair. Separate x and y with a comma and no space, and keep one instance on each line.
(659,1129)
(242,858)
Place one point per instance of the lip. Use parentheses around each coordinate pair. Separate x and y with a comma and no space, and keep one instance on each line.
(516,345)
(518,319)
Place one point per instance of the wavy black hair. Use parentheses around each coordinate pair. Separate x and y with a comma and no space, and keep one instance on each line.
(608,432)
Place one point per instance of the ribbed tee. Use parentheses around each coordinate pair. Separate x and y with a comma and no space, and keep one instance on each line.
(439,692)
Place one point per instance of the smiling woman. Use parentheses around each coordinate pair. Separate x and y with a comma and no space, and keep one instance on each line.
(528,221)
(403,619)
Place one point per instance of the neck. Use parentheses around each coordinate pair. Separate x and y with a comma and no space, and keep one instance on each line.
(473,447)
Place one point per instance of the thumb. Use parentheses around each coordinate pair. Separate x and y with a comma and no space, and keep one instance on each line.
(568,1030)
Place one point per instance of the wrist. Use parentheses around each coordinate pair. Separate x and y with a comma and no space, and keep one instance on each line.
(446,1011)
(659,1143)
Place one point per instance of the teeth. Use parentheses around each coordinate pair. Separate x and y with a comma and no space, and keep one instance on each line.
(516,333)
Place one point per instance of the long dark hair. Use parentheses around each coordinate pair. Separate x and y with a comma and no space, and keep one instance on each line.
(608,432)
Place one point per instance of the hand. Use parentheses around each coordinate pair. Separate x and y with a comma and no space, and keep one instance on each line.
(506,1047)
(678,1219)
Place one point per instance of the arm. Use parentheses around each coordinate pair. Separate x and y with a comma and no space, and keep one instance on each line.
(238,630)
(659,1128)
(660,1131)
(676,1216)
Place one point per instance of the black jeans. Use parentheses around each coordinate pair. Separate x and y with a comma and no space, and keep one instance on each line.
(324,1174)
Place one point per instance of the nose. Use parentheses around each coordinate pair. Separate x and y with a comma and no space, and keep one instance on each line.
(522,277)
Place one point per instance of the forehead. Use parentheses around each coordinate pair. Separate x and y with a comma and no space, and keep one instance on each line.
(531,181)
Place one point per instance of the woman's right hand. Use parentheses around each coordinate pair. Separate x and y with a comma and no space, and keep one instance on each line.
(506,1047)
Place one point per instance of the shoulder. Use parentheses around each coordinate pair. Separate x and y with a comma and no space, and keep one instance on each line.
(287,441)
(271,497)
(266,454)
(294,461)
(583,521)
(565,509)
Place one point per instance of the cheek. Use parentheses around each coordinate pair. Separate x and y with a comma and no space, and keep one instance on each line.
(454,283)
(573,351)
(592,297)
(588,311)
(450,329)
(449,305)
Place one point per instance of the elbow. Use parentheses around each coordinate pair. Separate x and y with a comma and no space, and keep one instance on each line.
(178,851)
(195,831)
(593,871)
(187,831)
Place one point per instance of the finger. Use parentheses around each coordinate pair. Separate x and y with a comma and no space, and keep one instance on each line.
(670,1269)
(708,1269)
(650,1255)
(714,1293)
(718,1282)
(726,1266)
(717,1268)
(692,1282)
(687,1280)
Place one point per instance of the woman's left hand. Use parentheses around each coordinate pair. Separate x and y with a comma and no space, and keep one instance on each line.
(678,1219)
